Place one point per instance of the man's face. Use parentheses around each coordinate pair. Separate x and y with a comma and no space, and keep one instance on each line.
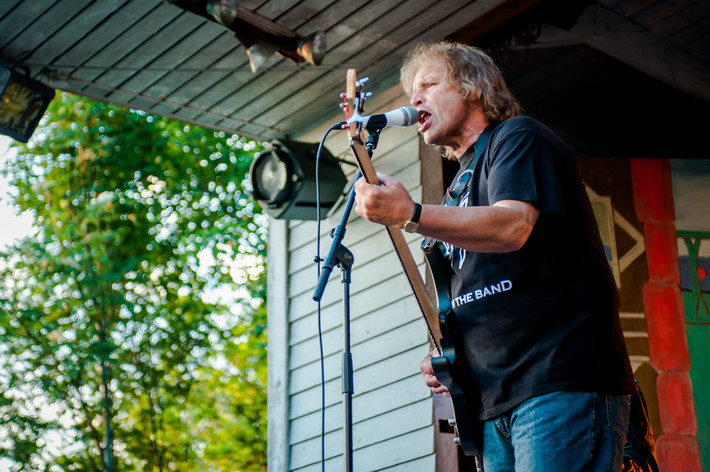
(444,116)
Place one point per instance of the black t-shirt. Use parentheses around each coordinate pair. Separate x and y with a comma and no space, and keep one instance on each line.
(545,317)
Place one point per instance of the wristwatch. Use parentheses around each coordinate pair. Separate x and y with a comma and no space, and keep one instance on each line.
(412,225)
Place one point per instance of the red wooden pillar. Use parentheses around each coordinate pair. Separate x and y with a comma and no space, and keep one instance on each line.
(677,447)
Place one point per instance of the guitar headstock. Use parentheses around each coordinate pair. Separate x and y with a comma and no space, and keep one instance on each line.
(354,102)
(354,106)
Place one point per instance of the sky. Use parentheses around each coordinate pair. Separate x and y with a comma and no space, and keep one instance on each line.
(12,224)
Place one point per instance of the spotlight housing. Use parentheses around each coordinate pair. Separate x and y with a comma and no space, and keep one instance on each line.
(283,179)
(23,101)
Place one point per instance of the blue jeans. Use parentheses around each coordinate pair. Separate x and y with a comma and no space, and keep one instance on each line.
(559,432)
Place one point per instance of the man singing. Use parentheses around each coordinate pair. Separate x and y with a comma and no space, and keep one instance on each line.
(533,293)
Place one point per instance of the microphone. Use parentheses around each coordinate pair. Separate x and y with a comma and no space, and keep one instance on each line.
(403,116)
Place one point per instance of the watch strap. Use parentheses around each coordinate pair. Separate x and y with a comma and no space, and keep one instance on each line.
(413,224)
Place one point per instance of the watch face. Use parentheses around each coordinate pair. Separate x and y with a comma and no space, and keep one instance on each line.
(411,226)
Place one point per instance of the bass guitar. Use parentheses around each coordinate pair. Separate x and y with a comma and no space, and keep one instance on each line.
(450,368)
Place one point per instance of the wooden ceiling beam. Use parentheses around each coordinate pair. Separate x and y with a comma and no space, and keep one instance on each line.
(490,15)
(634,45)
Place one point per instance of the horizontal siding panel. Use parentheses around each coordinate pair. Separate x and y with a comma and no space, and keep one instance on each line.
(358,239)
(358,231)
(395,451)
(335,464)
(368,379)
(416,415)
(374,261)
(397,367)
(422,464)
(331,317)
(365,404)
(366,295)
(375,432)
(373,428)
(385,319)
(364,354)
(405,170)
(390,452)
(403,420)
(331,465)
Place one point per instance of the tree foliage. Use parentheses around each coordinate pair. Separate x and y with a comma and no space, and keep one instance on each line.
(136,310)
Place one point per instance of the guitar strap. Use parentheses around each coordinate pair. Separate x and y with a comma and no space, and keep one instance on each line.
(462,387)
(454,193)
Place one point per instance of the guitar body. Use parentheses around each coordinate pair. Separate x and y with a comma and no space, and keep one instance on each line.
(450,368)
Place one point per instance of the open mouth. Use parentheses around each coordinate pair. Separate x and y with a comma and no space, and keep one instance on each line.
(423,119)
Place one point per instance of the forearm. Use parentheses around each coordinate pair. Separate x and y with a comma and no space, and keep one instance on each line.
(503,227)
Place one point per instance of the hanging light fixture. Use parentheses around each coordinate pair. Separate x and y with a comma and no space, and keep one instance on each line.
(260,36)
(283,179)
(23,101)
(223,11)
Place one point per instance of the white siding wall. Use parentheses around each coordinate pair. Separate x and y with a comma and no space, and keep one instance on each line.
(392,409)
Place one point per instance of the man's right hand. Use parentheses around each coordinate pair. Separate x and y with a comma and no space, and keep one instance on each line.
(428,373)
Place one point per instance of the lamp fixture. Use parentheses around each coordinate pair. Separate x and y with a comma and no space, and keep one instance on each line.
(283,179)
(260,36)
(23,101)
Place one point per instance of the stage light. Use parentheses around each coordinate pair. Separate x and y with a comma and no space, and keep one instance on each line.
(283,179)
(223,11)
(23,101)
(312,48)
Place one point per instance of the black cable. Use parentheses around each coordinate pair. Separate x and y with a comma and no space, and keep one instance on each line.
(318,260)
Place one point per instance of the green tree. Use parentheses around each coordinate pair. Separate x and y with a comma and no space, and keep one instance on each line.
(136,311)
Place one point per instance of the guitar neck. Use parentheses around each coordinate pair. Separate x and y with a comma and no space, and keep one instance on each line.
(411,271)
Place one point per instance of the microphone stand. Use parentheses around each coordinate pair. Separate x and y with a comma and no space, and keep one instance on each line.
(342,257)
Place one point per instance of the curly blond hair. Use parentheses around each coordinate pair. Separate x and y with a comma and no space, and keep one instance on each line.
(472,70)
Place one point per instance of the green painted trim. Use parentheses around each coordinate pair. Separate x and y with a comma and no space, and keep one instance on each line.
(698,342)
(701,313)
(697,328)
